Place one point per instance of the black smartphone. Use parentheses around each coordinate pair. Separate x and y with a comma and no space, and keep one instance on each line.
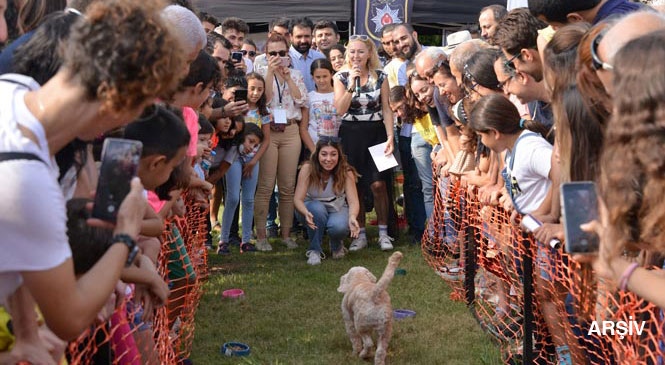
(240,94)
(236,57)
(579,204)
(120,163)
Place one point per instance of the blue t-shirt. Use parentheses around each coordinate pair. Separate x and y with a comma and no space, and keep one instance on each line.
(616,7)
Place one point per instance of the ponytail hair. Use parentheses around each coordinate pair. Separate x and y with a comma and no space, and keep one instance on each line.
(497,112)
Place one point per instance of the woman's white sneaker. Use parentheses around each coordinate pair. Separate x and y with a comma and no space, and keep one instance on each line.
(313,257)
(386,243)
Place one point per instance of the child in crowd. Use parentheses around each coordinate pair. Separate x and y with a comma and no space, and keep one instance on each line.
(165,140)
(243,172)
(203,148)
(236,183)
(320,103)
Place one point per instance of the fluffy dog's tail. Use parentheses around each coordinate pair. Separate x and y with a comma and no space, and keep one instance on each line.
(387,276)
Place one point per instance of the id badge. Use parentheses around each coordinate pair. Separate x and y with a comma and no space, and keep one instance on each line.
(280,115)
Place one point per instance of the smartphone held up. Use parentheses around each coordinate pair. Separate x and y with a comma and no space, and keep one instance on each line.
(120,162)
(579,204)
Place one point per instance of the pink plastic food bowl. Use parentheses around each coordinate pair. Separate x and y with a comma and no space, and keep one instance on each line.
(233,293)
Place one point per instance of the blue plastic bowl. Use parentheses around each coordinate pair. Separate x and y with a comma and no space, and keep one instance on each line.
(403,313)
(235,349)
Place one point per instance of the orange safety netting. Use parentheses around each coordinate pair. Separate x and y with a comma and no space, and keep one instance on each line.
(536,303)
(123,337)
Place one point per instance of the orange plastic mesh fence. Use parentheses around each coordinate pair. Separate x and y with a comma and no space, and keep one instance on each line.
(535,302)
(123,337)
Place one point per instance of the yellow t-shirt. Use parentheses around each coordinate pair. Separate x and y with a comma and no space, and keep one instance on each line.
(426,129)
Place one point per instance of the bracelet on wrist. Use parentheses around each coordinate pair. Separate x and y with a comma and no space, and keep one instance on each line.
(623,282)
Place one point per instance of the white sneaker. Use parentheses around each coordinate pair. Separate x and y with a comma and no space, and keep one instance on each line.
(263,245)
(358,244)
(386,243)
(313,257)
(290,243)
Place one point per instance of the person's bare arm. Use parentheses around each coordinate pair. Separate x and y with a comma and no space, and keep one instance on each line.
(70,304)
(152,225)
(304,132)
(354,203)
(388,120)
(343,97)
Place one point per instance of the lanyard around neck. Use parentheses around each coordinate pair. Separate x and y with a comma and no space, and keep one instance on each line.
(279,91)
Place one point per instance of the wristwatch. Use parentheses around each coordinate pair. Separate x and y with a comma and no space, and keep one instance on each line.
(131,245)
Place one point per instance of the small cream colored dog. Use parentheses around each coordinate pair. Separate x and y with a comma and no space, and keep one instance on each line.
(366,308)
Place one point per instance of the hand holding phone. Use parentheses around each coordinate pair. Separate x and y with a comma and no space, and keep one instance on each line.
(240,95)
(285,61)
(120,161)
(236,57)
(579,203)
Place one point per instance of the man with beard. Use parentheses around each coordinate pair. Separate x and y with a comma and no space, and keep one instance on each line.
(392,68)
(326,35)
(301,52)
(489,19)
(405,46)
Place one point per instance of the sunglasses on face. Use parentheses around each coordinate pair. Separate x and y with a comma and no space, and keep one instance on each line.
(361,37)
(596,62)
(275,53)
(250,53)
(510,63)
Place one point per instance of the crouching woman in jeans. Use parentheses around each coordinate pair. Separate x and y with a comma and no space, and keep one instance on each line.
(326,199)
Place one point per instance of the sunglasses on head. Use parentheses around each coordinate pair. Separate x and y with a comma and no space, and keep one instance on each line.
(468,76)
(275,53)
(361,37)
(250,53)
(329,139)
(596,62)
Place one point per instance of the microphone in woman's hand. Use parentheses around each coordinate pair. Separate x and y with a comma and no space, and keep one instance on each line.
(357,80)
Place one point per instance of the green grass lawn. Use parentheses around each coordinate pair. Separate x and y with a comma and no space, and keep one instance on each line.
(291,311)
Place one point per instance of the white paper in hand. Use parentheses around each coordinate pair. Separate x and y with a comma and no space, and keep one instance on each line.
(381,160)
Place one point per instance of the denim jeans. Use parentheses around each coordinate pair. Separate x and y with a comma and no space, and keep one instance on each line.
(336,223)
(414,206)
(272,212)
(421,150)
(238,186)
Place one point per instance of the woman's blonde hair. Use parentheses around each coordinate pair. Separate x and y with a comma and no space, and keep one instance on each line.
(373,62)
